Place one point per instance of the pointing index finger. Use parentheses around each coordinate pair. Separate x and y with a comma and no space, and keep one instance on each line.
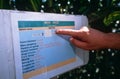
(67,32)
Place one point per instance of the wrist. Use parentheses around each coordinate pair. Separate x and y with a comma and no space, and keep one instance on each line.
(111,40)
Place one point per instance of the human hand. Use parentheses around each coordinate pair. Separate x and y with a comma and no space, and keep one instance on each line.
(85,38)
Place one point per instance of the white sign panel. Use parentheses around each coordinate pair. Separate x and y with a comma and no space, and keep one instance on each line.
(39,53)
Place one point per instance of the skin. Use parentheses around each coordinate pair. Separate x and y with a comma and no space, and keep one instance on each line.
(91,39)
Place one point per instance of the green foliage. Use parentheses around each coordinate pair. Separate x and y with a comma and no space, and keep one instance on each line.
(1,3)
(4,4)
(106,12)
(112,17)
(35,4)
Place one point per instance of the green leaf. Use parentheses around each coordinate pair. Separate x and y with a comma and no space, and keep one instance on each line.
(111,18)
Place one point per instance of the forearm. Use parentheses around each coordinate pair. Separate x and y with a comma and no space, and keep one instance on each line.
(113,40)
